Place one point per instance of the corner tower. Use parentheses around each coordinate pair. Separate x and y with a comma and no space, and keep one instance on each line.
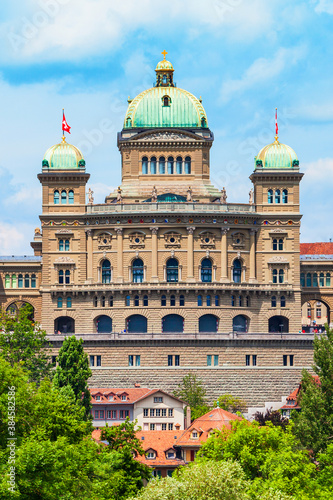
(165,143)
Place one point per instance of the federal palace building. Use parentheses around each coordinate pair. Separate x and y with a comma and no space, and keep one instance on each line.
(166,277)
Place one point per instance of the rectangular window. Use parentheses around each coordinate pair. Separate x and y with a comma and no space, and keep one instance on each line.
(170,412)
(145,412)
(254,360)
(291,359)
(137,360)
(216,360)
(123,414)
(158,400)
(164,427)
(169,473)
(54,360)
(247,360)
(318,312)
(92,360)
(285,360)
(96,413)
(177,360)
(108,414)
(101,414)
(163,412)
(152,412)
(170,427)
(114,414)
(152,427)
(130,360)
(209,360)
(98,361)
(170,360)
(158,412)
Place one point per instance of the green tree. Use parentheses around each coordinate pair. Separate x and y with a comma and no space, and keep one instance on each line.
(73,370)
(23,341)
(191,391)
(314,424)
(271,416)
(230,403)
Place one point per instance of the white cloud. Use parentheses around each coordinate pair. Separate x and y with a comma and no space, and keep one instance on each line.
(262,70)
(324,6)
(15,239)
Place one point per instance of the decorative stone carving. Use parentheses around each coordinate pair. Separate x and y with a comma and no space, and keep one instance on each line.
(119,195)
(90,196)
(251,197)
(137,240)
(154,230)
(207,240)
(189,194)
(279,259)
(190,229)
(64,260)
(224,197)
(172,240)
(119,231)
(104,241)
(164,136)
(238,240)
(154,195)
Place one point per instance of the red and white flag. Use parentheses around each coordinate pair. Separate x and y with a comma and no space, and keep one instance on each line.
(65,126)
(276,123)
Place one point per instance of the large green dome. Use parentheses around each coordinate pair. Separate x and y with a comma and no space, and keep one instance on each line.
(276,156)
(148,110)
(63,156)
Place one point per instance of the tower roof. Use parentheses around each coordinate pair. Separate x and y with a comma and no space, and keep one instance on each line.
(276,156)
(63,156)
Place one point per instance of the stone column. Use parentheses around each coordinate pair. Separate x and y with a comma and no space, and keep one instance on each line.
(90,276)
(224,255)
(253,277)
(154,255)
(190,260)
(120,270)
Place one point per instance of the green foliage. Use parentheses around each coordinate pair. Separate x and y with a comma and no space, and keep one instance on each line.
(275,417)
(230,403)
(191,391)
(122,437)
(199,411)
(73,370)
(208,481)
(24,342)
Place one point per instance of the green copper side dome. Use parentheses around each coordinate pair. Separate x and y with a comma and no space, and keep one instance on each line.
(165,107)
(63,156)
(276,156)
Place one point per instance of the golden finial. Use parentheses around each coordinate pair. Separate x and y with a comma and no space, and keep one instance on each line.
(164,53)
(63,138)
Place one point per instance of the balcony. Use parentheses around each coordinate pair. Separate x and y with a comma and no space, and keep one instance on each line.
(155,208)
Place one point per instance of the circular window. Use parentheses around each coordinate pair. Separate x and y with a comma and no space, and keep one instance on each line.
(238,240)
(105,241)
(207,240)
(137,240)
(172,240)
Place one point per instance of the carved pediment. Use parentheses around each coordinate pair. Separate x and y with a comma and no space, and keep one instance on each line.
(238,240)
(207,240)
(104,241)
(164,136)
(137,240)
(172,240)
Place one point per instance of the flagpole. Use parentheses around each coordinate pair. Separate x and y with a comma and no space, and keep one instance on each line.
(62,126)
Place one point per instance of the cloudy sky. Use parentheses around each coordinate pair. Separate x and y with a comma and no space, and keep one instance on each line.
(244,57)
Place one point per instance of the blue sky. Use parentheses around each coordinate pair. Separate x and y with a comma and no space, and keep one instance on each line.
(244,57)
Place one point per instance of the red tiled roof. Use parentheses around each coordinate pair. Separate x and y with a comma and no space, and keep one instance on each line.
(214,419)
(316,248)
(133,394)
(294,396)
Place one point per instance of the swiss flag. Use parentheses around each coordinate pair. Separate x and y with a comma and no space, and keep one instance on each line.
(65,126)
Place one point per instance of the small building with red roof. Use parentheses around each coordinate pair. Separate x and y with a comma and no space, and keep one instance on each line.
(292,401)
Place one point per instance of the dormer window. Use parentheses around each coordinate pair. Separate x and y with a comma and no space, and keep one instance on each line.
(123,397)
(97,398)
(194,435)
(151,454)
(170,454)
(166,101)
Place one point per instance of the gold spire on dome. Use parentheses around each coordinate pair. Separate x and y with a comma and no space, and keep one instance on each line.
(164,53)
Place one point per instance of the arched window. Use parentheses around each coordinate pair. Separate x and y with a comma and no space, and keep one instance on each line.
(328,279)
(103,301)
(163,301)
(170,165)
(172,270)
(182,300)
(240,301)
(63,197)
(208,323)
(136,301)
(199,300)
(187,165)
(66,245)
(137,271)
(283,301)
(59,305)
(273,301)
(281,276)
(315,279)
(172,323)
(208,301)
(206,271)
(165,81)
(20,281)
(69,302)
(285,196)
(280,244)
(64,324)
(145,301)
(14,282)
(56,197)
(7,281)
(128,301)
(248,302)
(67,277)
(275,246)
(104,324)
(166,100)
(106,271)
(26,281)
(321,279)
(277,196)
(71,197)
(309,279)
(61,245)
(162,165)
(275,275)
(95,301)
(217,300)
(270,196)
(145,165)
(232,301)
(12,310)
(172,300)
(111,301)
(237,271)
(302,279)
(278,324)
(179,165)
(33,281)
(136,324)
(153,163)
(240,323)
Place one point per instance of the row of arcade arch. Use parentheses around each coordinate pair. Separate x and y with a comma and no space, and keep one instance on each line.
(171,323)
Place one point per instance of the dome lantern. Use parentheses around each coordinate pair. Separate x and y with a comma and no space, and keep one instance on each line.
(164,73)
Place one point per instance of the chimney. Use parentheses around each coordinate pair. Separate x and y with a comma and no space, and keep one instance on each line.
(188,417)
(137,385)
